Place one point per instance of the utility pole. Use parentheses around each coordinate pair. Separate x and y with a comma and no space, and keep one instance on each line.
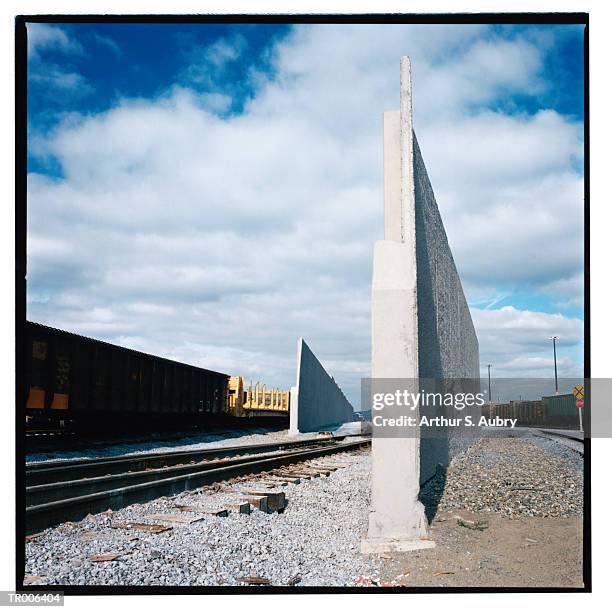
(554,339)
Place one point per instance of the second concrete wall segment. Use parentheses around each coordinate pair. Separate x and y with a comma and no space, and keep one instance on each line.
(317,403)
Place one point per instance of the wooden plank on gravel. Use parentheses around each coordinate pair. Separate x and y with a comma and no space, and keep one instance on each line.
(258,501)
(288,478)
(317,471)
(268,484)
(276,500)
(305,474)
(175,518)
(142,527)
(102,558)
(33,537)
(185,508)
(240,507)
(256,580)
(268,478)
(292,472)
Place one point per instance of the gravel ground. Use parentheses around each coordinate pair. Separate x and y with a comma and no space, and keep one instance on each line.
(529,476)
(529,496)
(257,435)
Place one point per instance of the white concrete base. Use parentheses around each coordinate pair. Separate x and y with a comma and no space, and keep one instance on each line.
(371,546)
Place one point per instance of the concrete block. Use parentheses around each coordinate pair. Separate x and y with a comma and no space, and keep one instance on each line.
(380,545)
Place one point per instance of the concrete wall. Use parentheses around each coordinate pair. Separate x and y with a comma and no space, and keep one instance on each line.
(439,336)
(317,403)
(448,347)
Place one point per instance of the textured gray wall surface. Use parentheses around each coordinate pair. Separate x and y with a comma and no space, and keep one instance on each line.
(448,346)
(320,402)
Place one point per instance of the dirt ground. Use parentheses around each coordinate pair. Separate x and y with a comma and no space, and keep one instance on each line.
(517,552)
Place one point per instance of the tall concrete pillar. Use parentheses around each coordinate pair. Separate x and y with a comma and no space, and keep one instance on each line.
(397,519)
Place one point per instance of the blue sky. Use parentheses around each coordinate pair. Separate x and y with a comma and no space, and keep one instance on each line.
(211,192)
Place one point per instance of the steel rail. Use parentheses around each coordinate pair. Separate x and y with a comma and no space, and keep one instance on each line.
(564,440)
(45,472)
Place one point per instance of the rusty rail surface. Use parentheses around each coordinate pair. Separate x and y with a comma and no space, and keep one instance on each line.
(45,472)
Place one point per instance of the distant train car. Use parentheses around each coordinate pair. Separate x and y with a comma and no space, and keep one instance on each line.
(550,411)
(528,412)
(256,401)
(561,411)
(79,382)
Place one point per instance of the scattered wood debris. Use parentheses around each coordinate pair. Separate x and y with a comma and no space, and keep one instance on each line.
(33,537)
(142,527)
(186,508)
(176,518)
(109,557)
(255,580)
(294,580)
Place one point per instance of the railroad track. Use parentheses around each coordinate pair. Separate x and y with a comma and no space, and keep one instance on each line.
(568,439)
(60,491)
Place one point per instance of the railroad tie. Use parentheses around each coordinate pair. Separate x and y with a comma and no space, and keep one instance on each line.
(195,509)
(296,475)
(242,507)
(258,501)
(282,480)
(304,473)
(270,484)
(276,500)
(315,470)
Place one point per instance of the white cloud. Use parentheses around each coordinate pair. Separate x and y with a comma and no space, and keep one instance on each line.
(109,43)
(45,36)
(518,343)
(207,63)
(53,80)
(58,79)
(231,237)
(570,289)
(225,50)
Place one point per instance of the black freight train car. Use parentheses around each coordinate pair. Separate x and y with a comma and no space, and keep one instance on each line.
(84,384)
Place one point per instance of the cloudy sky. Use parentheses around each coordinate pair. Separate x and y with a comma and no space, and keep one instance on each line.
(209,193)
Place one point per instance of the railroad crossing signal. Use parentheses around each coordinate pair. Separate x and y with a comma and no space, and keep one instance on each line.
(578,392)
